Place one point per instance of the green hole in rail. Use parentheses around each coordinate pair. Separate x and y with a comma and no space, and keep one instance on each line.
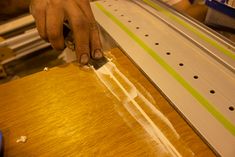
(226,123)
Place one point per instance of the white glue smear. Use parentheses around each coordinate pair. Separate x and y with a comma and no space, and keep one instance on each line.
(134,93)
(153,131)
(106,75)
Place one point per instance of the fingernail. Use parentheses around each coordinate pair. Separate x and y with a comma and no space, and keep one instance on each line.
(98,54)
(84,59)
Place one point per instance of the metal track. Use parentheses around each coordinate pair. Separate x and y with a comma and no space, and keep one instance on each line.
(193,67)
(211,42)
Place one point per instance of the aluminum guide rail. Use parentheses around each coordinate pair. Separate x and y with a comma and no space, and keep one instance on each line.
(218,47)
(192,67)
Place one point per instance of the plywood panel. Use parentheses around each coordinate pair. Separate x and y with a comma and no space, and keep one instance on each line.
(68,111)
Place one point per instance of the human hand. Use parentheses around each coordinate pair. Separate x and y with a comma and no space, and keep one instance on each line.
(49,17)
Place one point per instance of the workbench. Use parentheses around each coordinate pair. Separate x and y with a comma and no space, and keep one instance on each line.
(168,89)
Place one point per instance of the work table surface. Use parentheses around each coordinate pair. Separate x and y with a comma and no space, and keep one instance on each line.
(68,111)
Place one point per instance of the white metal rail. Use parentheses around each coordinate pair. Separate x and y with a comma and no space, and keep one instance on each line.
(192,67)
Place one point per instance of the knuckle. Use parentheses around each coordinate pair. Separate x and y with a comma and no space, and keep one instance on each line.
(37,7)
(82,23)
(93,26)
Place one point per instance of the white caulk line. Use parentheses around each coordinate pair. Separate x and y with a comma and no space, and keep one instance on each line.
(108,85)
(150,105)
(164,140)
(146,126)
(158,113)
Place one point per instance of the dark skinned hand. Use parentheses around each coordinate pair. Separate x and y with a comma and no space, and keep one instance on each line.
(50,16)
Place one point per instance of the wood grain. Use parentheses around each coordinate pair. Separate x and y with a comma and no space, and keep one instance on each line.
(67,111)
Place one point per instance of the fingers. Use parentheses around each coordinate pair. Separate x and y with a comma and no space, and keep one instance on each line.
(96,48)
(38,10)
(54,26)
(80,28)
(49,17)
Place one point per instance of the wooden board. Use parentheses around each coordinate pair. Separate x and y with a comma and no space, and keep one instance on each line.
(67,111)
